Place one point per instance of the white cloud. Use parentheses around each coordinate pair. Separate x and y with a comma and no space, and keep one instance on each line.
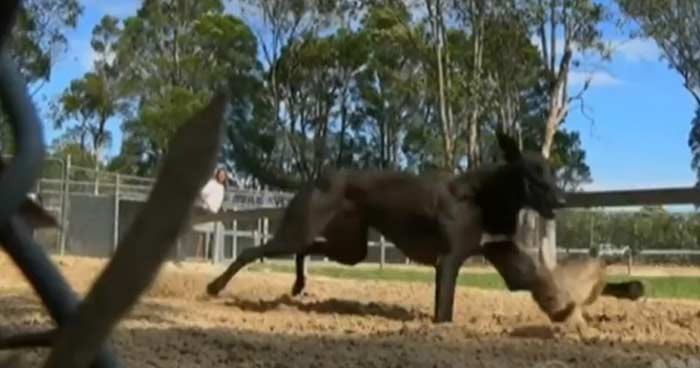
(578,78)
(636,50)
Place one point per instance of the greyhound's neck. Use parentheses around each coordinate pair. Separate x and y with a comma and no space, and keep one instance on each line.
(500,197)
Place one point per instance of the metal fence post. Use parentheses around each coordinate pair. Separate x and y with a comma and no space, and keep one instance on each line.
(97,183)
(217,246)
(382,252)
(629,262)
(235,240)
(265,229)
(256,238)
(306,265)
(65,205)
(59,231)
(115,235)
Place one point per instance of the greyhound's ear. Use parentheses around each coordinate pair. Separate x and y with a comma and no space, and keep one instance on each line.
(509,146)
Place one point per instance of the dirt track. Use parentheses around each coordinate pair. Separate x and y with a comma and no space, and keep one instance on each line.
(352,324)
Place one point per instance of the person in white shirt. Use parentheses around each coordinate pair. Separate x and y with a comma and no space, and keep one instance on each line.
(210,200)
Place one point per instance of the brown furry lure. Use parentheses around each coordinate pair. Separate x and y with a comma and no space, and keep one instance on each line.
(564,291)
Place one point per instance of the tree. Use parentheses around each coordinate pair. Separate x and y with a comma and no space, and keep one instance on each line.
(295,132)
(675,26)
(83,109)
(90,101)
(694,143)
(321,88)
(438,35)
(516,95)
(371,97)
(574,24)
(389,86)
(36,42)
(38,36)
(171,56)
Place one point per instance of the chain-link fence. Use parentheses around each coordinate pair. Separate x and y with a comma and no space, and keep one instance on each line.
(96,206)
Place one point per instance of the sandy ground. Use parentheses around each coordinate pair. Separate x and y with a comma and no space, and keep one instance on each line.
(340,323)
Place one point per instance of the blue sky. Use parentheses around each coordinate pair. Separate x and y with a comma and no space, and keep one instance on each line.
(640,110)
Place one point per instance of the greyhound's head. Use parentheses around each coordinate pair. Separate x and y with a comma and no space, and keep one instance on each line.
(539,189)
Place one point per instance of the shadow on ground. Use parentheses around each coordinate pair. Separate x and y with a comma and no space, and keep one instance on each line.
(212,348)
(330,306)
(23,311)
(167,341)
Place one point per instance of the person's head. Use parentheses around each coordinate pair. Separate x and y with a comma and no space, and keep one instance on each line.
(221,177)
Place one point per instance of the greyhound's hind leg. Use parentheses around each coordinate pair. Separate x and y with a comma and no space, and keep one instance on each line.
(344,240)
(299,261)
(308,213)
(270,249)
(300,281)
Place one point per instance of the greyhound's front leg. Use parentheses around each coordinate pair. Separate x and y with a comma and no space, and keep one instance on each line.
(300,281)
(446,274)
(461,223)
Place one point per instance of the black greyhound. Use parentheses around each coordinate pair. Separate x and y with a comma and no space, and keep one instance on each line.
(433,220)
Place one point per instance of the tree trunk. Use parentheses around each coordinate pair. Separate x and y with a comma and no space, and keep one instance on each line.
(473,153)
(534,231)
(447,141)
(474,149)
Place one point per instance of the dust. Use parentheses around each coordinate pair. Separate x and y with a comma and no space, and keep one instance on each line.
(343,323)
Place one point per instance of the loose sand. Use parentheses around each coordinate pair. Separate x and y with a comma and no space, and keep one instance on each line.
(343,323)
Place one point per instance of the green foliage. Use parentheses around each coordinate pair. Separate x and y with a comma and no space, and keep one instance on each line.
(170,57)
(37,41)
(675,26)
(650,228)
(694,144)
(38,36)
(83,109)
(330,84)
(78,155)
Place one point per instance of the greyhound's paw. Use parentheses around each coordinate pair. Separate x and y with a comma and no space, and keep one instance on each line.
(586,332)
(575,330)
(213,289)
(298,288)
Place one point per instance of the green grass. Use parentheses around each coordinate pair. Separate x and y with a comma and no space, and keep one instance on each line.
(677,287)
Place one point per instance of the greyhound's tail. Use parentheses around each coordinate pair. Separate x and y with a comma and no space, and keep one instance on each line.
(631,290)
